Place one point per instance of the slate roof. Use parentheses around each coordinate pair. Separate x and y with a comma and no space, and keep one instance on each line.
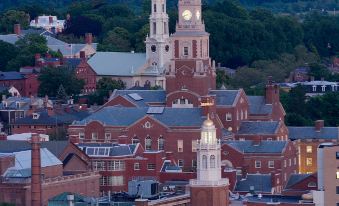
(311,133)
(72,62)
(11,103)
(224,97)
(55,147)
(117,63)
(295,178)
(11,76)
(148,96)
(9,38)
(126,116)
(44,119)
(257,105)
(248,146)
(115,149)
(261,183)
(258,127)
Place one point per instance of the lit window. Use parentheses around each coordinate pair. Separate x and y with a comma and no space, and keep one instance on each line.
(180,163)
(137,166)
(271,164)
(309,149)
(257,164)
(151,166)
(194,145)
(309,161)
(180,146)
(228,117)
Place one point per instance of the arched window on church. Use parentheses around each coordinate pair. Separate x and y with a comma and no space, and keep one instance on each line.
(148,143)
(204,162)
(161,143)
(135,140)
(147,83)
(212,161)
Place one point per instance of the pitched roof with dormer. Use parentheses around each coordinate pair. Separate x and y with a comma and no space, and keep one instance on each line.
(141,98)
(329,133)
(259,127)
(249,146)
(225,97)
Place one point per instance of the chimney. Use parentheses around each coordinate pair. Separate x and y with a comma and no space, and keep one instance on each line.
(36,171)
(272,92)
(319,124)
(89,38)
(36,20)
(17,29)
(82,55)
(50,19)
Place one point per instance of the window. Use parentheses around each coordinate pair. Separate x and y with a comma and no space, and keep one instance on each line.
(116,165)
(153,48)
(337,155)
(309,149)
(241,115)
(94,136)
(98,165)
(212,161)
(155,8)
(337,192)
(137,166)
(337,173)
(151,166)
(290,162)
(323,88)
(165,29)
(154,28)
(271,164)
(228,117)
(269,139)
(194,145)
(180,163)
(314,88)
(116,180)
(309,161)
(204,162)
(194,163)
(107,137)
(103,181)
(135,140)
(161,143)
(81,135)
(257,164)
(285,176)
(185,51)
(312,184)
(180,146)
(163,7)
(295,161)
(148,143)
(285,163)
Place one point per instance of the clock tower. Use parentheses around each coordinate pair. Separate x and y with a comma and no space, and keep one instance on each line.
(158,48)
(191,68)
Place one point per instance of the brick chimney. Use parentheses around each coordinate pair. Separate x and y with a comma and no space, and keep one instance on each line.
(36,171)
(50,18)
(141,202)
(17,29)
(319,124)
(36,20)
(48,55)
(89,38)
(82,55)
(272,92)
(3,136)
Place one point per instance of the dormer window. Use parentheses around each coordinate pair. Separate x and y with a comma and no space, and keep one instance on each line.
(314,88)
(323,88)
(17,105)
(36,116)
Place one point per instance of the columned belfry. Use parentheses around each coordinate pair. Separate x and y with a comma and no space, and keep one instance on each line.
(191,67)
(209,188)
(158,48)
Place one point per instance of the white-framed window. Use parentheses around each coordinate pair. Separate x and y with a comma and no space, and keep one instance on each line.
(323,88)
(204,162)
(285,176)
(94,135)
(285,163)
(245,114)
(241,115)
(116,165)
(228,117)
(148,143)
(137,166)
(194,145)
(180,163)
(135,140)
(212,161)
(295,161)
(103,180)
(185,51)
(151,166)
(161,143)
(99,165)
(194,163)
(314,88)
(107,137)
(116,180)
(81,135)
(257,164)
(309,161)
(271,164)
(312,184)
(241,139)
(290,162)
(237,115)
(180,145)
(309,149)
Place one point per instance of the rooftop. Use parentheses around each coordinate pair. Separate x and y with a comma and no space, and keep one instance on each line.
(296,133)
(107,149)
(145,96)
(225,97)
(257,105)
(249,146)
(254,182)
(259,127)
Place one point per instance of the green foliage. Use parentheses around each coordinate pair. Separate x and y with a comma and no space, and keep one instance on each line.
(27,47)
(11,17)
(319,71)
(104,87)
(116,40)
(9,52)
(59,134)
(61,95)
(51,79)
(222,78)
(6,204)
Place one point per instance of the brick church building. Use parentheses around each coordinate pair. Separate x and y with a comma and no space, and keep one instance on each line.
(170,120)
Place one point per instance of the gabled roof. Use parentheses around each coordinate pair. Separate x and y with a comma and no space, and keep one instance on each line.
(311,133)
(147,96)
(296,178)
(259,182)
(11,103)
(257,105)
(125,116)
(225,97)
(117,63)
(249,146)
(259,127)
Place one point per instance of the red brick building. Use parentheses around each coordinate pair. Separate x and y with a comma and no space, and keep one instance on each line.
(85,72)
(26,84)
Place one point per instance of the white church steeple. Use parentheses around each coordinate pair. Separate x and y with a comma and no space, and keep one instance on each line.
(158,50)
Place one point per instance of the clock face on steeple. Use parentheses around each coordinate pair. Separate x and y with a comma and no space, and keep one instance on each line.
(187,15)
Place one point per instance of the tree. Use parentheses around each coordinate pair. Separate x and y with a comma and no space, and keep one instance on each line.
(52,78)
(104,87)
(61,95)
(11,17)
(116,40)
(9,52)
